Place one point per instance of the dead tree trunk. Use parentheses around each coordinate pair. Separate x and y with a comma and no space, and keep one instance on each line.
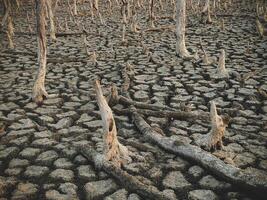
(39,92)
(218,124)
(52,20)
(222,72)
(7,8)
(113,150)
(75,7)
(134,22)
(10,32)
(8,18)
(206,11)
(180,29)
(124,19)
(151,13)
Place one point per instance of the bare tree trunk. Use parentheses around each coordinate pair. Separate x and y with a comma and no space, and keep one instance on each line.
(29,23)
(6,12)
(221,66)
(10,32)
(39,92)
(124,19)
(7,17)
(151,13)
(51,19)
(75,7)
(134,19)
(113,150)
(180,29)
(206,10)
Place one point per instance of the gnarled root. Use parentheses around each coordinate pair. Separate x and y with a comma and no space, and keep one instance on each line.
(214,138)
(113,150)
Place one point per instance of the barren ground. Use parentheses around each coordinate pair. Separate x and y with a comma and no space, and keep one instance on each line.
(36,158)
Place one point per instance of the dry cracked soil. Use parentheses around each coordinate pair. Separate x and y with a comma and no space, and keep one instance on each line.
(36,158)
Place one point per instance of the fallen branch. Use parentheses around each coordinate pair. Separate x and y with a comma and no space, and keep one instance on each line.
(246,179)
(128,181)
(126,101)
(180,115)
(257,182)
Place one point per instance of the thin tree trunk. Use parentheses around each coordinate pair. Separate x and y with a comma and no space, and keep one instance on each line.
(75,7)
(221,66)
(39,92)
(124,19)
(10,32)
(180,29)
(206,11)
(151,13)
(51,19)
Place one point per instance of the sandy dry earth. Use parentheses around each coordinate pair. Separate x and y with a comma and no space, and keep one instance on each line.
(36,159)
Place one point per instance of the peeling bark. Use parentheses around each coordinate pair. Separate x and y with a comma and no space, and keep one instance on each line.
(39,92)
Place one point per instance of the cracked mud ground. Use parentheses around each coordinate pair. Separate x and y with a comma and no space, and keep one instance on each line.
(36,160)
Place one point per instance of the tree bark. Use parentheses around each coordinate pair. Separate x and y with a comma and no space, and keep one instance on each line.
(39,92)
